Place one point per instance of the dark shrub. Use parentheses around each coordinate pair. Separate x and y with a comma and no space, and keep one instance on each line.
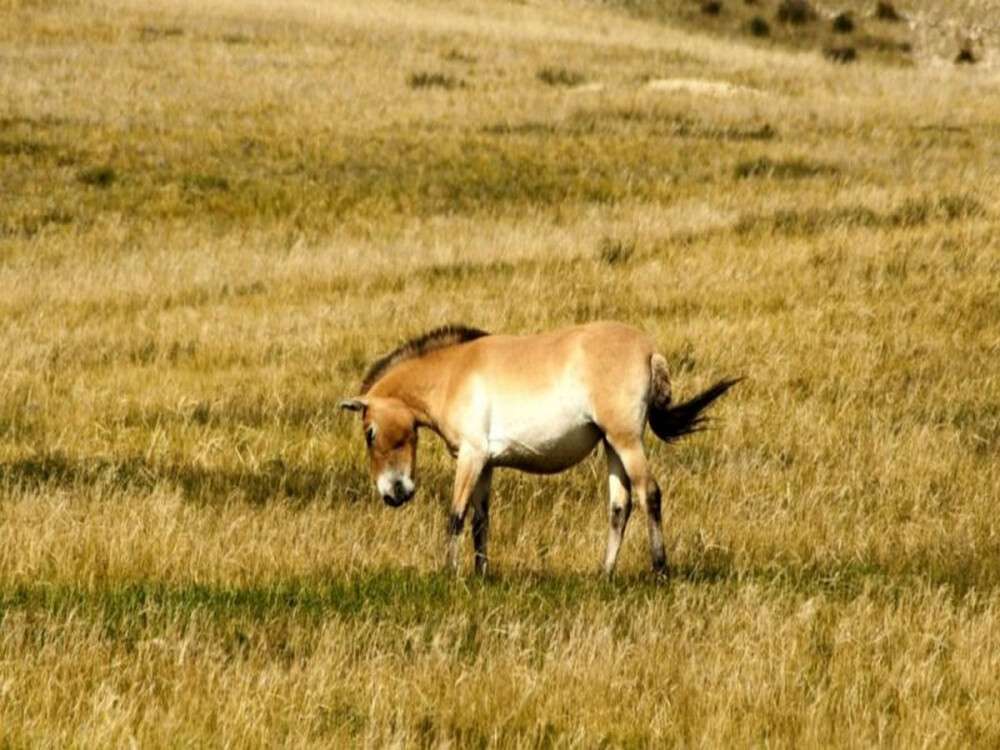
(886,11)
(796,12)
(759,27)
(711,7)
(843,23)
(965,57)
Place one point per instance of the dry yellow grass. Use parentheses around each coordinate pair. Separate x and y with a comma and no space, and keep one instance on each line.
(212,218)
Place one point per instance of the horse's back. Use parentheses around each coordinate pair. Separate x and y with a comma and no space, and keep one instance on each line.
(599,349)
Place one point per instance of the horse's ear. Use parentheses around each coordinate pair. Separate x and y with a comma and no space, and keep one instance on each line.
(353,404)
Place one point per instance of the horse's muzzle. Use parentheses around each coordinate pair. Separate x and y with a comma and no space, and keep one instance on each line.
(399,496)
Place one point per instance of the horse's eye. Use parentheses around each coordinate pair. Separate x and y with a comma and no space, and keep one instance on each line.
(370,434)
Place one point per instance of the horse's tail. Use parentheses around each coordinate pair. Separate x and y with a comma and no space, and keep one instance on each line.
(673,421)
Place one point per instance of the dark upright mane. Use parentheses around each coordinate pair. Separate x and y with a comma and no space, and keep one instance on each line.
(439,338)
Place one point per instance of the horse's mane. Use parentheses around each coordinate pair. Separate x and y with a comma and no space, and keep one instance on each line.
(439,338)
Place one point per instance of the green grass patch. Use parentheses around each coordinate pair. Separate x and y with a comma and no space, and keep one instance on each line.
(377,177)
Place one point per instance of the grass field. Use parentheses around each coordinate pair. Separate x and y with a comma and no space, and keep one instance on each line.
(211,220)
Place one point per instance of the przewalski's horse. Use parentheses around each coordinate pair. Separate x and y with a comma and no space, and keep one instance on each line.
(539,403)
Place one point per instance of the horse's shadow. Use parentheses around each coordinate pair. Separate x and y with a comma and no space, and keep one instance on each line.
(834,578)
(270,480)
(956,573)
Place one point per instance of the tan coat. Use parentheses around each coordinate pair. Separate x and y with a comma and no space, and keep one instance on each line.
(538,403)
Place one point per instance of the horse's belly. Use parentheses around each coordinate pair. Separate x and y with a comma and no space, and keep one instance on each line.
(543,450)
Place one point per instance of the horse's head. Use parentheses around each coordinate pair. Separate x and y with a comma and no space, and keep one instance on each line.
(391,435)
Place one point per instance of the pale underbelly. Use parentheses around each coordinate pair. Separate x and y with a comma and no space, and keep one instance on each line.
(545,453)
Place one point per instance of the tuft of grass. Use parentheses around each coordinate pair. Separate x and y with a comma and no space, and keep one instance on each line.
(456,55)
(101,177)
(23,147)
(458,273)
(711,7)
(531,128)
(236,38)
(843,54)
(160,32)
(425,80)
(782,169)
(613,251)
(948,208)
(206,182)
(560,76)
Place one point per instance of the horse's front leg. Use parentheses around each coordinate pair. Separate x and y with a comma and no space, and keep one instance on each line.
(481,518)
(468,472)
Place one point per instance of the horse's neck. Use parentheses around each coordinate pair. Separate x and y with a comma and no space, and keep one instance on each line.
(418,386)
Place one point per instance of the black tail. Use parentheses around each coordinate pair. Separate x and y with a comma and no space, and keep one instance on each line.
(682,419)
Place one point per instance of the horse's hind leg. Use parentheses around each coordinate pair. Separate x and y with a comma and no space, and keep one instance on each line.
(633,459)
(619,506)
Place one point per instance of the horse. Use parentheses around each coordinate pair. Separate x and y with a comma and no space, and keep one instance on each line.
(539,403)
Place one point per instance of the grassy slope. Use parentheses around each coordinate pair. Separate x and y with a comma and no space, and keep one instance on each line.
(211,220)
(924,31)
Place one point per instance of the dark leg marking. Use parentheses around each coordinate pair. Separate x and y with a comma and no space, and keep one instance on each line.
(619,515)
(480,532)
(654,512)
(480,525)
(653,502)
